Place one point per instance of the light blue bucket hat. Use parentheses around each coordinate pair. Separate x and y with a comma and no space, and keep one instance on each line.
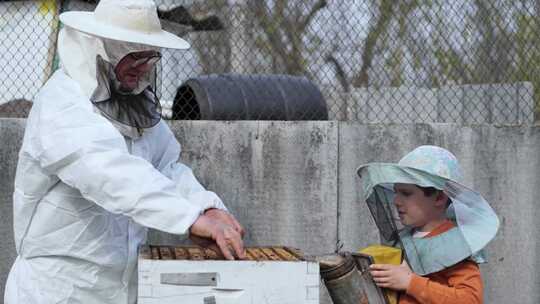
(430,166)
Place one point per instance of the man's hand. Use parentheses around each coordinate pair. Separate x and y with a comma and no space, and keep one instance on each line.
(227,238)
(395,277)
(226,218)
(206,243)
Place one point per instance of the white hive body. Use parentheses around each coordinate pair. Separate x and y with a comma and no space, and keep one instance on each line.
(196,280)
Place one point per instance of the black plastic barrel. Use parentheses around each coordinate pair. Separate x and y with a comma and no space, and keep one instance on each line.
(249,97)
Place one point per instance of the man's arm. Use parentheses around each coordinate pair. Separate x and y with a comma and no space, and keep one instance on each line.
(168,163)
(187,185)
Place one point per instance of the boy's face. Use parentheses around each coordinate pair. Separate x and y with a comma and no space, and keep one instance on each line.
(417,210)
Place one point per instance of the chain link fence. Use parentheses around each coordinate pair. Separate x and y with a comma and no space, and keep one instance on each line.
(462,61)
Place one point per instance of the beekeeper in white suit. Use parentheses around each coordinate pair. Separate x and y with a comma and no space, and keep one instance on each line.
(98,166)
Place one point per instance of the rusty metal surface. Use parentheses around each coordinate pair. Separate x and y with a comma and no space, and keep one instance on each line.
(195,253)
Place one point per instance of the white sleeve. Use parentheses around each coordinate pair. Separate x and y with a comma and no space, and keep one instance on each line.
(87,153)
(186,183)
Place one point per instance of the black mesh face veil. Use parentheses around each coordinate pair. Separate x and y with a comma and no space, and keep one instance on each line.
(140,109)
(382,208)
(156,79)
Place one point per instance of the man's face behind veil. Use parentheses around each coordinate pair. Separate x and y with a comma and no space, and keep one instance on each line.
(132,67)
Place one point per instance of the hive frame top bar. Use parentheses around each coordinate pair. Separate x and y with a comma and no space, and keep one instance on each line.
(196,253)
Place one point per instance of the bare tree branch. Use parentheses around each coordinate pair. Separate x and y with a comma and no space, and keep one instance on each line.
(213,47)
(276,45)
(284,33)
(386,13)
(340,72)
(318,6)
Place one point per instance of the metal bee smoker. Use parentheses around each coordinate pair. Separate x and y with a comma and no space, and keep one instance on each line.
(348,280)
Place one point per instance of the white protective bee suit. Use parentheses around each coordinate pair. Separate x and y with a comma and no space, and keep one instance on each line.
(84,192)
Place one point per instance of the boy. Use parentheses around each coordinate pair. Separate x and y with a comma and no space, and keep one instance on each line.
(445,227)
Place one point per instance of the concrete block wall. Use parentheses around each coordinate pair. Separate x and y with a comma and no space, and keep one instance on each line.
(11,136)
(465,104)
(279,178)
(294,183)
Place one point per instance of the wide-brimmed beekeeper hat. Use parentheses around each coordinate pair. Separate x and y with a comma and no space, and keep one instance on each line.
(430,166)
(133,21)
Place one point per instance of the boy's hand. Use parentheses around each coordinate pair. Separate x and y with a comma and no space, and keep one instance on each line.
(395,277)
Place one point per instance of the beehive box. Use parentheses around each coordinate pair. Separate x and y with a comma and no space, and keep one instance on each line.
(189,274)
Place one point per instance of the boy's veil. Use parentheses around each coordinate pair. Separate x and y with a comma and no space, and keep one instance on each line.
(429,166)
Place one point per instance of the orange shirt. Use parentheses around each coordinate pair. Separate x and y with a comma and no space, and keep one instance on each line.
(457,284)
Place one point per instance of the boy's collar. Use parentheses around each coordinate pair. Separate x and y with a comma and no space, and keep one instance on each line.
(442,228)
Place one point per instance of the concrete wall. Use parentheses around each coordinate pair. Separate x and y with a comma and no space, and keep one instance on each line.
(279,178)
(294,183)
(11,135)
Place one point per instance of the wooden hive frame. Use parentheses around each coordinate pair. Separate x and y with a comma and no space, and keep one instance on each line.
(196,253)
